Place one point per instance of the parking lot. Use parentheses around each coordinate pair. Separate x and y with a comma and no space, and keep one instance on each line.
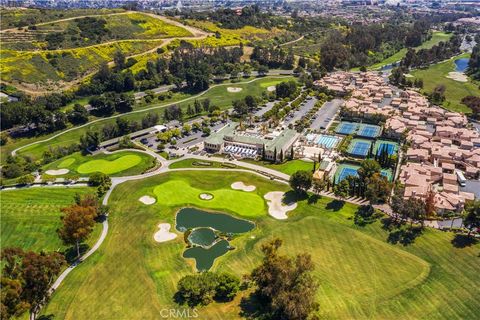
(193,138)
(326,114)
(302,111)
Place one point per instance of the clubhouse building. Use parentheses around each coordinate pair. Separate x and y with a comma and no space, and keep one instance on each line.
(273,146)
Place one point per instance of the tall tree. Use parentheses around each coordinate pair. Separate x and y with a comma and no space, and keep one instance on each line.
(28,277)
(286,285)
(77,225)
(471,219)
(301,181)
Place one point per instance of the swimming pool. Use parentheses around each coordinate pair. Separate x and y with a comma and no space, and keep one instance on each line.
(327,141)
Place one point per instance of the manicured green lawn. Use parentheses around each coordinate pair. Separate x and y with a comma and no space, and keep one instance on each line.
(217,95)
(30,217)
(287,167)
(455,91)
(246,204)
(361,275)
(124,163)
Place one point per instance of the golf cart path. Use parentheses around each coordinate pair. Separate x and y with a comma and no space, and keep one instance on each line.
(154,107)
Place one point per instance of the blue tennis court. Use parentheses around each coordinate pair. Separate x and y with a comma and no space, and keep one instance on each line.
(359,147)
(345,172)
(369,131)
(346,128)
(390,148)
(327,141)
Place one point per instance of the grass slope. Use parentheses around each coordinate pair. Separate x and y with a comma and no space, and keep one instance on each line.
(33,67)
(30,217)
(15,17)
(124,163)
(455,91)
(361,275)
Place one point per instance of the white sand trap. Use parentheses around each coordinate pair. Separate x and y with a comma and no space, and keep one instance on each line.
(239,185)
(457,76)
(206,196)
(147,200)
(271,88)
(234,89)
(275,206)
(164,234)
(58,172)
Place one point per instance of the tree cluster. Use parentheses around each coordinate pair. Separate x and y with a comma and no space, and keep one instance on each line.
(101,181)
(369,183)
(228,18)
(366,44)
(26,280)
(285,286)
(204,288)
(424,57)
(40,114)
(473,103)
(474,63)
(273,57)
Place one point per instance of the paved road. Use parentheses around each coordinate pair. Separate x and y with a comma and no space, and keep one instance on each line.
(326,114)
(472,186)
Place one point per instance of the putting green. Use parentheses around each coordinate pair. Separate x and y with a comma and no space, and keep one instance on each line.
(109,167)
(179,192)
(66,163)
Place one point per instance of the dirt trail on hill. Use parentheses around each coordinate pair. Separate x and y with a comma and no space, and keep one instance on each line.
(35,90)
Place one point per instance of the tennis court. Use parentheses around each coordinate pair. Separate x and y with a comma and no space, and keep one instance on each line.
(344,170)
(368,130)
(346,127)
(390,146)
(327,141)
(359,147)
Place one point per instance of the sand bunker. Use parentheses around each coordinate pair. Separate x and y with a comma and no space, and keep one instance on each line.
(164,234)
(206,196)
(271,88)
(242,186)
(234,89)
(457,76)
(58,172)
(147,200)
(275,206)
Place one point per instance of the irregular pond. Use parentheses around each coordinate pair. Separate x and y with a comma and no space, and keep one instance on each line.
(204,258)
(461,64)
(189,218)
(209,233)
